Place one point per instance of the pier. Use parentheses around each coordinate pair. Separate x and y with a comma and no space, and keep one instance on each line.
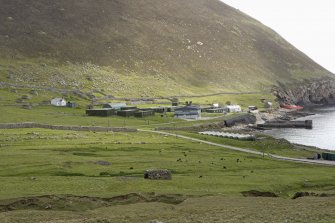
(307,124)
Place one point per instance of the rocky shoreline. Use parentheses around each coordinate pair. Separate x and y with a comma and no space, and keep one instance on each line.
(281,115)
(307,93)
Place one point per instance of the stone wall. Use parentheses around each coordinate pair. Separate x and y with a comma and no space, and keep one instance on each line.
(63,127)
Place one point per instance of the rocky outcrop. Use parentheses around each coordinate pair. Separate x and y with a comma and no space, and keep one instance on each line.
(308,92)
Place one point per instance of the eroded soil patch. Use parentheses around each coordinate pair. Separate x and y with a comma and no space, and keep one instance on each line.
(81,203)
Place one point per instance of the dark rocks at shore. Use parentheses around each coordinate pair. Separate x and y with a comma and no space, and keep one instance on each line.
(289,116)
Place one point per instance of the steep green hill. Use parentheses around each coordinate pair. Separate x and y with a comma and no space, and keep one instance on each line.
(143,47)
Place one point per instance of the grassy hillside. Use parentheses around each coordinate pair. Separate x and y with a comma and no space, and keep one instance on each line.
(143,47)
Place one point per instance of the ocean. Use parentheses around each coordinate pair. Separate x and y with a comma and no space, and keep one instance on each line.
(322,135)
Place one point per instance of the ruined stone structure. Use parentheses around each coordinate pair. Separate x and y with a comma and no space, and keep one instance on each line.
(158,175)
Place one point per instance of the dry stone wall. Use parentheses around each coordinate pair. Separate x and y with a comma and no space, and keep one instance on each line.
(63,127)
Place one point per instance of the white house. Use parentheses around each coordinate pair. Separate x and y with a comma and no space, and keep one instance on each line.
(233,108)
(58,102)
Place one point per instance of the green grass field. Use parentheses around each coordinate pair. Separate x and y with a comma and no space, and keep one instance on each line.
(41,162)
(44,162)
(67,163)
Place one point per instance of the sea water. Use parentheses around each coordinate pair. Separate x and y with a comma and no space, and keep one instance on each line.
(322,135)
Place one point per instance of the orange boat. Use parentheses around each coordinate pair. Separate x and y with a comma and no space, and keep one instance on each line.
(291,106)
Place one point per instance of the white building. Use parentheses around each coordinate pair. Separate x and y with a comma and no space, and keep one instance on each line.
(61,102)
(233,108)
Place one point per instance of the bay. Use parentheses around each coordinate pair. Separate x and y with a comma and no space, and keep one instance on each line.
(322,135)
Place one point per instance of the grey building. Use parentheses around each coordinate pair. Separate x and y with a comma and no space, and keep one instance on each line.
(102,112)
(188,112)
(116,106)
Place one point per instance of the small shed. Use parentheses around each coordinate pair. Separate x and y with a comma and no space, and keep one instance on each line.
(71,104)
(328,156)
(216,110)
(60,102)
(102,112)
(188,112)
(175,102)
(233,108)
(253,109)
(116,106)
(267,104)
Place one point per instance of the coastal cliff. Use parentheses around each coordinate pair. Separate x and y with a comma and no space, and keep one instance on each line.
(307,93)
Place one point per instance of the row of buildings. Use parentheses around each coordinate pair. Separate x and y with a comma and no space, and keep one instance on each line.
(183,112)
(121,109)
(194,112)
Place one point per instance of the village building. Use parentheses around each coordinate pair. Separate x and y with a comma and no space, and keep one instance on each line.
(101,112)
(116,106)
(188,112)
(159,109)
(71,104)
(216,110)
(233,108)
(267,104)
(60,102)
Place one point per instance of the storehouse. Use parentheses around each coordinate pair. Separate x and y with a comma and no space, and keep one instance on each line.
(188,112)
(116,106)
(233,108)
(102,112)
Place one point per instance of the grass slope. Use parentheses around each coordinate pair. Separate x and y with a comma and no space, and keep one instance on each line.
(143,47)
